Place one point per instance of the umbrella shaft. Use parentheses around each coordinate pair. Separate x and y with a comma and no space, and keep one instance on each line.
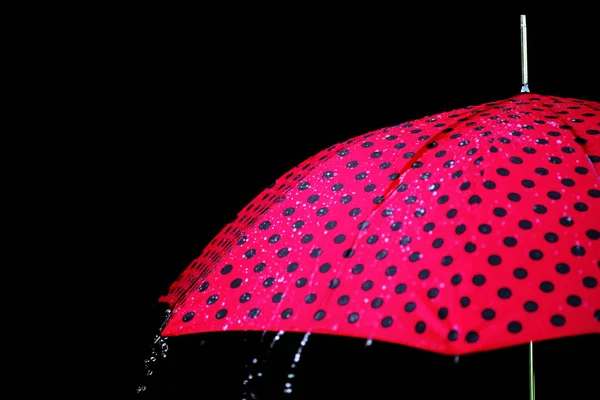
(524,77)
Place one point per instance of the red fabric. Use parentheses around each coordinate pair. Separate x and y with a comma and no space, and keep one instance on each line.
(472,230)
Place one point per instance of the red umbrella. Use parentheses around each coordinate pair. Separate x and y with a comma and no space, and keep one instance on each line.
(460,232)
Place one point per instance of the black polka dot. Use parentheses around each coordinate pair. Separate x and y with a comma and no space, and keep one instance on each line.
(303,186)
(479,279)
(330,225)
(502,172)
(499,212)
(339,238)
(514,327)
(562,268)
(509,241)
(358,268)
(433,293)
(367,285)
(343,300)
(381,254)
(536,255)
(372,239)
(347,199)
(416,256)
(546,286)
(212,299)
(335,282)
(348,253)
(204,286)
(306,238)
(443,313)
(489,185)
(541,171)
(460,229)
(566,221)
(555,160)
(494,260)
(269,282)
(377,302)
(520,273)
(456,279)
(504,293)
(301,282)
(319,315)
(472,337)
(235,283)
(590,282)
(593,234)
(524,224)
(387,322)
(400,288)
(577,251)
(574,301)
(391,271)
(451,213)
(410,306)
(514,197)
(420,327)
(188,316)
(488,314)
(528,183)
(485,229)
(557,320)
(227,269)
(352,318)
(465,301)
(530,306)
(452,335)
(424,274)
(437,243)
(221,313)
(354,212)
(316,252)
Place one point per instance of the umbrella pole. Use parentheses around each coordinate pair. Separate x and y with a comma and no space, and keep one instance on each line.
(531,376)
(524,76)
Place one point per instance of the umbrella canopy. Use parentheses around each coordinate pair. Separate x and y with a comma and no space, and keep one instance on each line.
(460,232)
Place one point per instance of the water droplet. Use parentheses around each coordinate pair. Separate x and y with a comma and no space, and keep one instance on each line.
(277,337)
(369,342)
(456,359)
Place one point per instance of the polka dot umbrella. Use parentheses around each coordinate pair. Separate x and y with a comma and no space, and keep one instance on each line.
(460,232)
(463,231)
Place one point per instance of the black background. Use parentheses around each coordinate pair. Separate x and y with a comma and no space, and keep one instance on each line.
(198,111)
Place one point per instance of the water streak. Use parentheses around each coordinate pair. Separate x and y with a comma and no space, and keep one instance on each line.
(158,350)
(290,376)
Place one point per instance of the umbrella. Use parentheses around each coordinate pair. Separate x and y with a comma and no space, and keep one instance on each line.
(459,232)
(464,231)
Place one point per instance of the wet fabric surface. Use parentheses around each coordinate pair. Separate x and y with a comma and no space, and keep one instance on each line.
(460,232)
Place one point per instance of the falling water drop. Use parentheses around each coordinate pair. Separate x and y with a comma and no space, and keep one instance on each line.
(277,337)
(290,376)
(456,359)
(369,342)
